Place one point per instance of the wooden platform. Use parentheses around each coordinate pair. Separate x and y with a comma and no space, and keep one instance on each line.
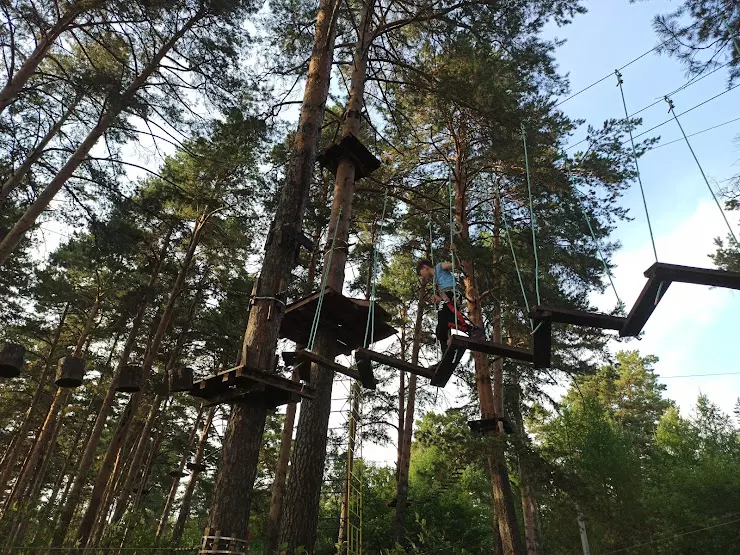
(697,276)
(345,317)
(308,356)
(482,427)
(349,147)
(577,317)
(243,384)
(451,358)
(368,355)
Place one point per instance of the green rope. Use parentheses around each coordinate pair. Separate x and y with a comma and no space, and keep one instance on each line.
(732,35)
(370,327)
(513,255)
(452,240)
(701,169)
(634,156)
(434,275)
(324,279)
(591,229)
(531,216)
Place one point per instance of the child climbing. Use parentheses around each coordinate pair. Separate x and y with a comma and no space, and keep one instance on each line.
(444,282)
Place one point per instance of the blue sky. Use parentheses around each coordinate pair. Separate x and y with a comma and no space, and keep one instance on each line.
(694,329)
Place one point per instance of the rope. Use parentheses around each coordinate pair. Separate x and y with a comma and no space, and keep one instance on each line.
(591,229)
(620,82)
(324,279)
(732,35)
(701,169)
(434,274)
(532,220)
(370,327)
(513,254)
(452,239)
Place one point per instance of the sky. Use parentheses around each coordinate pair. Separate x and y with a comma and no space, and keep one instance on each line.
(694,329)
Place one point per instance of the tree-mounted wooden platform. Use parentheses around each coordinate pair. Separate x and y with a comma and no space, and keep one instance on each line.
(488,425)
(660,276)
(349,147)
(344,316)
(243,384)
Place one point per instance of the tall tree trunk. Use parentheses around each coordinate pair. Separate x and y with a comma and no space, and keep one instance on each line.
(11,456)
(154,414)
(14,180)
(187,497)
(491,399)
(309,453)
(582,530)
(73,498)
(162,526)
(404,462)
(27,220)
(15,84)
(121,434)
(243,438)
(42,446)
(272,533)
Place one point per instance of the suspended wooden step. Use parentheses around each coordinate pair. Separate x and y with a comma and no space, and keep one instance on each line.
(310,357)
(393,502)
(11,360)
(368,356)
(349,147)
(450,359)
(660,276)
(542,343)
(482,427)
(177,473)
(492,348)
(344,316)
(131,379)
(180,379)
(243,384)
(196,466)
(577,317)
(70,372)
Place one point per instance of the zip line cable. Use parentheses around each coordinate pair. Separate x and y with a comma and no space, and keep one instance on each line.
(531,216)
(698,133)
(672,110)
(620,83)
(324,279)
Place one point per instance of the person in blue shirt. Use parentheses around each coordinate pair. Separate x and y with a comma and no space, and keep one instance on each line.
(444,282)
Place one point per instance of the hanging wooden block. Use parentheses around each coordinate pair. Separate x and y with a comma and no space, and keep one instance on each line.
(181,379)
(196,467)
(11,360)
(131,379)
(70,372)
(177,473)
(352,148)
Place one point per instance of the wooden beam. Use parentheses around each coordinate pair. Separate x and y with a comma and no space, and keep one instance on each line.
(275,381)
(698,276)
(542,344)
(385,360)
(644,306)
(491,348)
(328,364)
(578,317)
(451,358)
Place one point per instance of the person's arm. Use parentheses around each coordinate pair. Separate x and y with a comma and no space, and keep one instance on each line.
(446,266)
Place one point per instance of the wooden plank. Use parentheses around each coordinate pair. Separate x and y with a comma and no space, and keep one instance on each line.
(698,276)
(480,427)
(491,348)
(275,380)
(380,358)
(542,344)
(578,317)
(451,358)
(328,364)
(644,306)
(367,377)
